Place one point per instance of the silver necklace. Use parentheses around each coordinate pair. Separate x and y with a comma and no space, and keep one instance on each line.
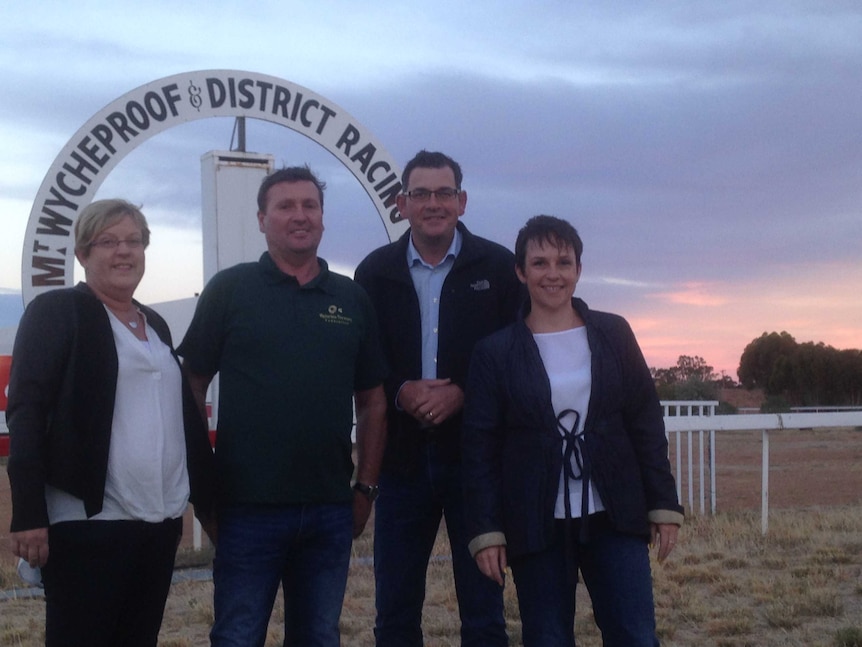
(132,323)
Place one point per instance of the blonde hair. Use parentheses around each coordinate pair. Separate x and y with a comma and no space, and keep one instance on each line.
(101,214)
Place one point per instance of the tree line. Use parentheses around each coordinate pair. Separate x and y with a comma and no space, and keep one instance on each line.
(691,379)
(789,373)
(802,375)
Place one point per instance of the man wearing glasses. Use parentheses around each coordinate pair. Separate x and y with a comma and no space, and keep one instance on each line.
(437,291)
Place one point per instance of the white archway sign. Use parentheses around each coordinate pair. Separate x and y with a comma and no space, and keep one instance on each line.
(100,144)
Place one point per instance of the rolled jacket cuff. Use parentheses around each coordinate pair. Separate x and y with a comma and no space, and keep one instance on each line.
(666,516)
(486,540)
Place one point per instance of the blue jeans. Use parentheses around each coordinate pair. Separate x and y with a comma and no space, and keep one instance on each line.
(406,519)
(616,570)
(306,548)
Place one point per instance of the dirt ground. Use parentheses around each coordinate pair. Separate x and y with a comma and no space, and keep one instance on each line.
(815,467)
(808,468)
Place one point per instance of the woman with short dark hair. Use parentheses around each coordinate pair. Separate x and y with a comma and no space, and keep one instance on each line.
(565,455)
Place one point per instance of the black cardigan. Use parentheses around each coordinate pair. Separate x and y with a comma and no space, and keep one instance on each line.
(512,449)
(61,405)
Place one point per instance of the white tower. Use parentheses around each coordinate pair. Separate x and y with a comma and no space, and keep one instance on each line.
(229,184)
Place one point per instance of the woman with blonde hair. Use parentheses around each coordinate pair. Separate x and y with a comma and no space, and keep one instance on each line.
(106,444)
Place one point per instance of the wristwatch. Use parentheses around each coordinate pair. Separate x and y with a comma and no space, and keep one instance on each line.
(370,491)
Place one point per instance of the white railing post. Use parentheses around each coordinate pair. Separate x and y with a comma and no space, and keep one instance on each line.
(764,478)
(689,410)
(678,466)
(690,474)
(701,474)
(712,471)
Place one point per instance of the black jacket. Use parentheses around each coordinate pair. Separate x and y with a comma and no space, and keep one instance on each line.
(480,295)
(512,449)
(61,405)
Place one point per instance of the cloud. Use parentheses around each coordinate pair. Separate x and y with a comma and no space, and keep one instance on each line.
(708,153)
(692,294)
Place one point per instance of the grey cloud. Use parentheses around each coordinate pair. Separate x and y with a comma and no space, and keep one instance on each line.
(670,136)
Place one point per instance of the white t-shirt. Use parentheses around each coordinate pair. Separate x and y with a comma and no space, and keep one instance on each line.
(566,356)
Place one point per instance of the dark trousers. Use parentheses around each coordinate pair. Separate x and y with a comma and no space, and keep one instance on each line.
(106,582)
(407,517)
(616,571)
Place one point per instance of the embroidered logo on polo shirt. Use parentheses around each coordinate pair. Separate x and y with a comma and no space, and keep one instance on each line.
(481,285)
(335,315)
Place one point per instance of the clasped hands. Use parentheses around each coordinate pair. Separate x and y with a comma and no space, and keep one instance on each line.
(431,401)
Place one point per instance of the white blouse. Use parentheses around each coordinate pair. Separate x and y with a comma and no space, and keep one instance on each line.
(147,478)
(566,356)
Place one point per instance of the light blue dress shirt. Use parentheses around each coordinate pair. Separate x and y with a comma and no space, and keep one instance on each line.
(428,282)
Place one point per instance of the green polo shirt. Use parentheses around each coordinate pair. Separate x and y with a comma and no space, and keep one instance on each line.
(289,358)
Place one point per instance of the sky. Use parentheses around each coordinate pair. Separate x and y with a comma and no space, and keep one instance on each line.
(709,153)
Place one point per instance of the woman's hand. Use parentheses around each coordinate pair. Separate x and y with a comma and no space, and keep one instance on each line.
(663,536)
(492,563)
(31,546)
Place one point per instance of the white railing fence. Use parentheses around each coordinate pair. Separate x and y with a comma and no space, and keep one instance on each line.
(698,409)
(690,418)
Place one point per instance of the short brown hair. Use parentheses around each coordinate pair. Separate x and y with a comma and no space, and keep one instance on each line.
(550,229)
(288,174)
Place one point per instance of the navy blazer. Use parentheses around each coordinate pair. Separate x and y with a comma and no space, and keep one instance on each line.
(61,406)
(512,449)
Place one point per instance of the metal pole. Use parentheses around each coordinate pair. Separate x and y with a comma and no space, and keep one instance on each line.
(240,134)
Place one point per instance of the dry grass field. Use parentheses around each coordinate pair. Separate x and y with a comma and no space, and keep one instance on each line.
(725,585)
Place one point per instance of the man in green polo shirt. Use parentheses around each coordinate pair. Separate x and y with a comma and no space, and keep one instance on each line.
(293,344)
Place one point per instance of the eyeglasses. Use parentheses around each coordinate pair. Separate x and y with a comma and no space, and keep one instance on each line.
(424,195)
(110,244)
